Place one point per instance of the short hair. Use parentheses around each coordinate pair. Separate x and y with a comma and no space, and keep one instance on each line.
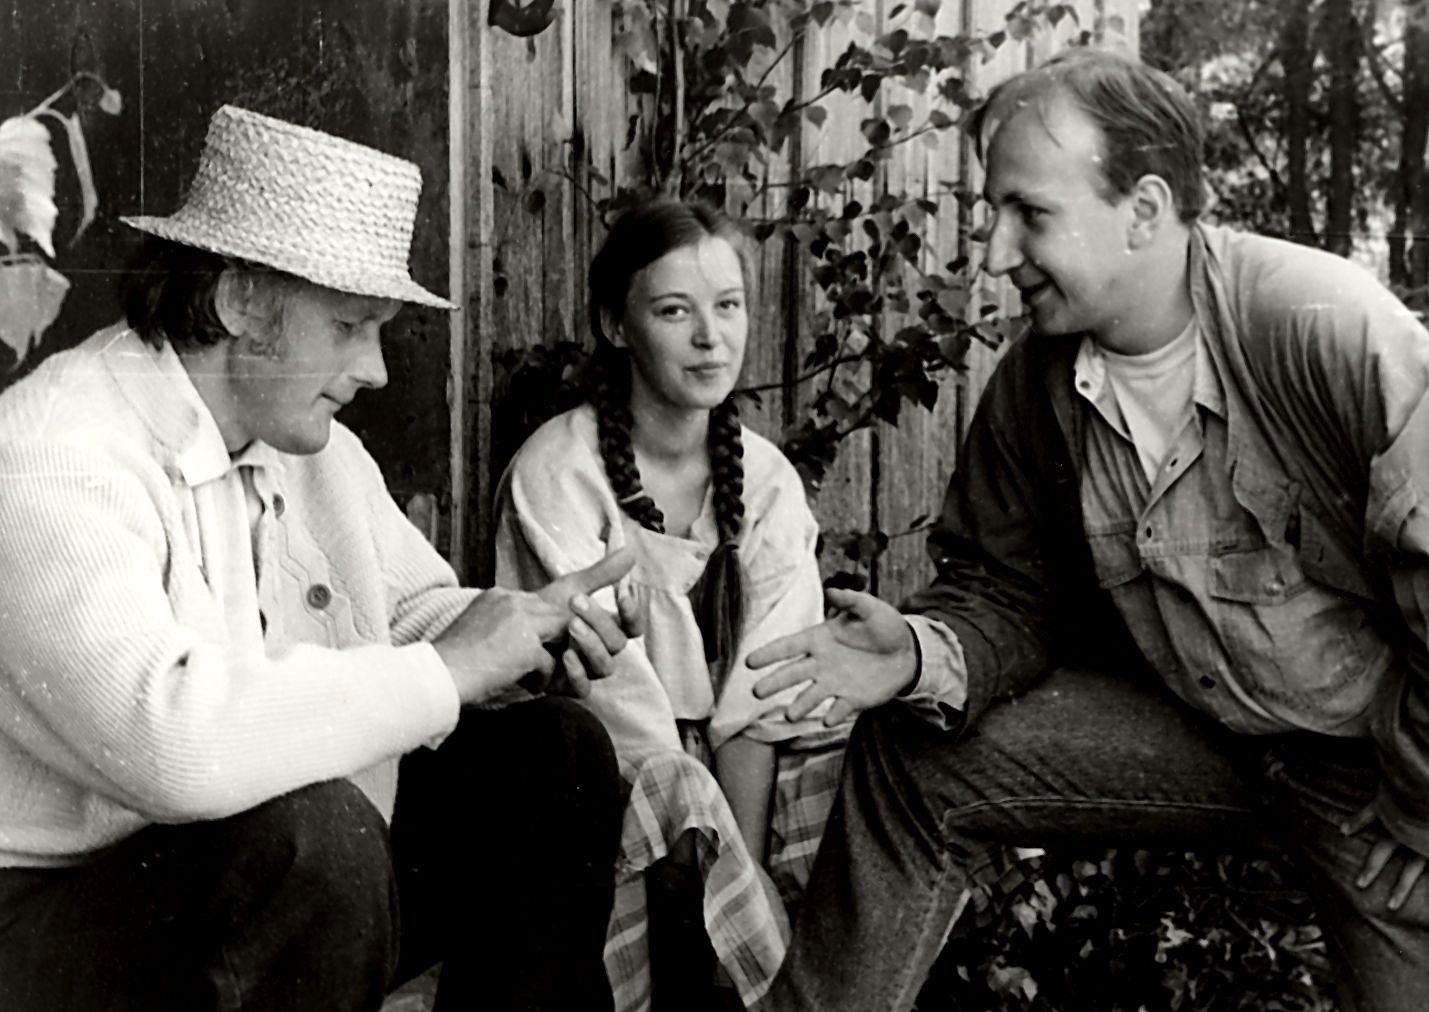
(169,294)
(1148,123)
(643,234)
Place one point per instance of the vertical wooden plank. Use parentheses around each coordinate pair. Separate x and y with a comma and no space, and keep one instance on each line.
(917,456)
(843,503)
(774,309)
(598,120)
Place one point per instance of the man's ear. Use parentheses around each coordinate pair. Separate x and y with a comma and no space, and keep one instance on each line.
(1152,207)
(611,328)
(231,300)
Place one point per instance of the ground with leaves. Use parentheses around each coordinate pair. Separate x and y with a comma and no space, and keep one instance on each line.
(1132,930)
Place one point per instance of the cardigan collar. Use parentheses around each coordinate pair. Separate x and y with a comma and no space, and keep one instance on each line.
(159,389)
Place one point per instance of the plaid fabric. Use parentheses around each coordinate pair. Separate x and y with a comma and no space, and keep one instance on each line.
(744,907)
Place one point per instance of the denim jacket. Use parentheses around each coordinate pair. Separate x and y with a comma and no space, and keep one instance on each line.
(1327,449)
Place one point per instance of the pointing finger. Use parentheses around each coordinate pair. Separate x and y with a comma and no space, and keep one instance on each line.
(603,573)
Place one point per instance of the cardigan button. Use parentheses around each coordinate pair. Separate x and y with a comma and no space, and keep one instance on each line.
(278,504)
(319,596)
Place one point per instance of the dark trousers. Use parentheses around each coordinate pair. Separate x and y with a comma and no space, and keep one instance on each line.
(1084,759)
(499,863)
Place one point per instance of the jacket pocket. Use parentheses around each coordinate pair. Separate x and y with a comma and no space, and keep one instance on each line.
(1115,557)
(1267,575)
(1326,562)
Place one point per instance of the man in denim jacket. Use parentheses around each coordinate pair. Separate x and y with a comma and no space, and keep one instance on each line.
(223,639)
(1190,530)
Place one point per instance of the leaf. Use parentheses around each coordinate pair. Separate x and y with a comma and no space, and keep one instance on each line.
(27,183)
(816,114)
(900,116)
(1020,27)
(84,175)
(827,178)
(31,292)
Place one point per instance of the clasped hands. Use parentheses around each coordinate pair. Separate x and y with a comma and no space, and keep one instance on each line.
(553,640)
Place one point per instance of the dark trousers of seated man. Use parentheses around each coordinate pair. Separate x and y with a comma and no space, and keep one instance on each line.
(1087,760)
(498,863)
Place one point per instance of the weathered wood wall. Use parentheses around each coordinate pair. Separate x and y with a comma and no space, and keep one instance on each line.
(534,114)
(374,72)
(513,141)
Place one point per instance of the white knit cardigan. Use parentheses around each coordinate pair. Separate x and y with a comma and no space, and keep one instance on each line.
(122,703)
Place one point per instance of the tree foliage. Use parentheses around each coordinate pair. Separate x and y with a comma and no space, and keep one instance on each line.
(1317,113)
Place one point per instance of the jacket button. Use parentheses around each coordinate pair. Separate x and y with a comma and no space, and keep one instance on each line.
(279,505)
(319,596)
(1208,682)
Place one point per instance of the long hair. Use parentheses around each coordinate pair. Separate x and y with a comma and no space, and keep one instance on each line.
(642,235)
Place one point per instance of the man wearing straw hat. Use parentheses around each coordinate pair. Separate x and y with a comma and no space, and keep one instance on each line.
(221,634)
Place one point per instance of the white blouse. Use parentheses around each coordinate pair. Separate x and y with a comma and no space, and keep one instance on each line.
(557,513)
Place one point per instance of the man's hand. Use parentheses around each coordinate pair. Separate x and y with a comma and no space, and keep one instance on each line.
(1379,856)
(861,657)
(503,635)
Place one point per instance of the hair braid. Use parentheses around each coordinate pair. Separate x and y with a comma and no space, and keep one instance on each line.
(643,234)
(718,595)
(610,395)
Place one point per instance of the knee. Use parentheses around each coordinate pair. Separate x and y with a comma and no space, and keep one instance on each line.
(882,745)
(567,745)
(903,767)
(323,846)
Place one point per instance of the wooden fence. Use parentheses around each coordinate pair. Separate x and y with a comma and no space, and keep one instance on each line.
(507,131)
(531,117)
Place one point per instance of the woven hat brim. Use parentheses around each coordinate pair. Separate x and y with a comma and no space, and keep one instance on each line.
(194,232)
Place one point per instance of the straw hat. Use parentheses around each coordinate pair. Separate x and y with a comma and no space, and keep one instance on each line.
(336,213)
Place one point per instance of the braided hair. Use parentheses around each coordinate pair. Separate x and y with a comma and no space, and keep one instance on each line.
(642,235)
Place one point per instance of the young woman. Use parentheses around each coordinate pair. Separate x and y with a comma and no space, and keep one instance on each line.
(724,544)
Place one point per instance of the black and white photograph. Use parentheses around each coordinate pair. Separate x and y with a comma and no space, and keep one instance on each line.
(714,505)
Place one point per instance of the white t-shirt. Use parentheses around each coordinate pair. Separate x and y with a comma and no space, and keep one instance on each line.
(1154,392)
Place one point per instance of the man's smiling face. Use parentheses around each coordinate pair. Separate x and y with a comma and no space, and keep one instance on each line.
(1057,232)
